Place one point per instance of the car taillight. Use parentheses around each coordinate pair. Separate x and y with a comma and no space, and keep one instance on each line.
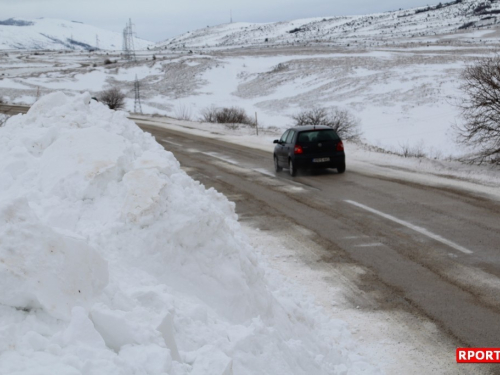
(298,150)
(340,146)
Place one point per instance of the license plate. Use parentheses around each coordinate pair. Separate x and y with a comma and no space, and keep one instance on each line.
(321,160)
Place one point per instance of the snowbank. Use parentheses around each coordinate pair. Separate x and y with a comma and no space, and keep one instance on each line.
(114,261)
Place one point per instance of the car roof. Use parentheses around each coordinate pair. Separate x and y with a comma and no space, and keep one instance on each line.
(310,127)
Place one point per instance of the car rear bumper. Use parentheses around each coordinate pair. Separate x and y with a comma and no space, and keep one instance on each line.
(334,161)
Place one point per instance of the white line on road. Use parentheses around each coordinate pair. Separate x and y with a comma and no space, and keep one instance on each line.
(375,244)
(273,175)
(420,230)
(220,157)
(172,143)
(264,172)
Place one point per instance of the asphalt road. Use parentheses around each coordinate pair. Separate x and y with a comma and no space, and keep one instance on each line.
(434,252)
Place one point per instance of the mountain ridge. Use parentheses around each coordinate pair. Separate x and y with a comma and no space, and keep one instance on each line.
(57,34)
(367,30)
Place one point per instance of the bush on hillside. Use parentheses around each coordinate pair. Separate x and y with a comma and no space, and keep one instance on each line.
(113,98)
(226,115)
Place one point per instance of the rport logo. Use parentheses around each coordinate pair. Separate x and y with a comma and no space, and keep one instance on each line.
(478,355)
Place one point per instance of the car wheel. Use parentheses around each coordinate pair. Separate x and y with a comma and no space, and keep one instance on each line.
(341,168)
(277,167)
(291,168)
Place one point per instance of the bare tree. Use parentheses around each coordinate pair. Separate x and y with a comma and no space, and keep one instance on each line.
(344,123)
(313,116)
(113,98)
(481,110)
(341,120)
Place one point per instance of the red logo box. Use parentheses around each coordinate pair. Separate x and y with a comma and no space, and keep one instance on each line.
(478,355)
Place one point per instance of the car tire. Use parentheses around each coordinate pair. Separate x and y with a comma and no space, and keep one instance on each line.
(341,168)
(277,167)
(291,168)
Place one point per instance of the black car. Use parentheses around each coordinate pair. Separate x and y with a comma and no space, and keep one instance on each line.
(309,147)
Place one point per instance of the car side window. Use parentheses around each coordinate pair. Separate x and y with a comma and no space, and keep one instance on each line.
(283,137)
(290,136)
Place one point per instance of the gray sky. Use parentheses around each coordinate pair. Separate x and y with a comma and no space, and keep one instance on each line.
(157,20)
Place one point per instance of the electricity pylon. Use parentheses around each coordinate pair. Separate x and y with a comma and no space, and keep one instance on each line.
(128,41)
(137,102)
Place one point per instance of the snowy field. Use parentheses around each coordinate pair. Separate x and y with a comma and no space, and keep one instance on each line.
(404,98)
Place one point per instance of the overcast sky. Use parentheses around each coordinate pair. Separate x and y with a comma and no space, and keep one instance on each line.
(157,20)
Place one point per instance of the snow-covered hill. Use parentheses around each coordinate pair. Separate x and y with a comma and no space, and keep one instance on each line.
(55,34)
(368,30)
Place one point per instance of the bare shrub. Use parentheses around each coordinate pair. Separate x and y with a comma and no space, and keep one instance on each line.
(113,98)
(107,62)
(408,151)
(341,120)
(208,114)
(481,110)
(183,112)
(226,115)
(279,68)
(3,119)
(233,115)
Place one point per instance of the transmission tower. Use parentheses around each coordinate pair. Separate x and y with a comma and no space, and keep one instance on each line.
(97,41)
(128,41)
(137,102)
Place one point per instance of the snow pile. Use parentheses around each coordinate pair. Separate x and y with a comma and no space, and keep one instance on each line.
(114,261)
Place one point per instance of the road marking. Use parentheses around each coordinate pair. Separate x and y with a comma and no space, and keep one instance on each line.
(220,157)
(375,244)
(172,143)
(264,172)
(418,229)
(291,181)
(291,189)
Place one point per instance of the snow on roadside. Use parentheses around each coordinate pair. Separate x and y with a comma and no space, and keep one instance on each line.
(114,261)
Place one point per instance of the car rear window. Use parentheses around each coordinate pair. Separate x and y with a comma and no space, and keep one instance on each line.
(318,136)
